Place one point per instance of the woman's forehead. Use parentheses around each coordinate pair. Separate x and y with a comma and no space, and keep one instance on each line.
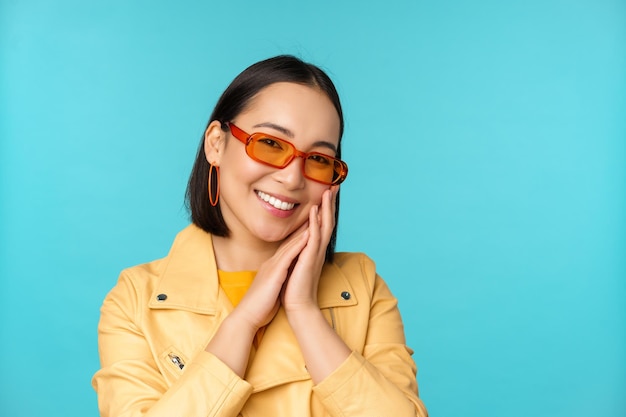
(293,110)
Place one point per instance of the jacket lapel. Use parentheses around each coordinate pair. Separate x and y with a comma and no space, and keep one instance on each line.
(189,279)
(334,289)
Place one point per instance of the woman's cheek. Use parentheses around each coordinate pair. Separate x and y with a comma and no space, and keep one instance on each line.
(318,196)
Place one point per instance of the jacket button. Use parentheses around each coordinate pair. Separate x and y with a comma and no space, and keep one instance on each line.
(345,295)
(161,297)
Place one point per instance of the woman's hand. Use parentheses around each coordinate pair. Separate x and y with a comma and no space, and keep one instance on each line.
(260,304)
(322,348)
(300,290)
(231,343)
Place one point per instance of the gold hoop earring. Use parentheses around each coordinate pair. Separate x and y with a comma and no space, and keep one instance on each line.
(214,199)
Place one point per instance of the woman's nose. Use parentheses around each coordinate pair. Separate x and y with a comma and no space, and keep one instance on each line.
(292,175)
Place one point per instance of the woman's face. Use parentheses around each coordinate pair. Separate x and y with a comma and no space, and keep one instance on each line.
(299,114)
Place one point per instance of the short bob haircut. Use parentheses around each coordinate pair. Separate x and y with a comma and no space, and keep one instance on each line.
(234,100)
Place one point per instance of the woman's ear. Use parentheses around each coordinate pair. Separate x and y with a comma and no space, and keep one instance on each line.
(214,141)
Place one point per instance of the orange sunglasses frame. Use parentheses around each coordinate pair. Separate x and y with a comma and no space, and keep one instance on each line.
(245,138)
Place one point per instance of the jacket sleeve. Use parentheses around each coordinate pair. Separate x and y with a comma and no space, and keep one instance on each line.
(380,381)
(129,384)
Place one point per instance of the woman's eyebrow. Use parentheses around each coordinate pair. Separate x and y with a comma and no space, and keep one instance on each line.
(290,134)
(325,144)
(279,128)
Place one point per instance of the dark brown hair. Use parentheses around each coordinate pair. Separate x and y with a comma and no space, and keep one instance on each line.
(234,100)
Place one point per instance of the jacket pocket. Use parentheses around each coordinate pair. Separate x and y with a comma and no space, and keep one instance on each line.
(173,361)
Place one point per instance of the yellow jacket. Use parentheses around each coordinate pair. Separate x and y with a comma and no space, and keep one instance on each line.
(157,320)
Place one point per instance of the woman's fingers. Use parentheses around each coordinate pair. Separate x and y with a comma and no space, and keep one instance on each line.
(321,224)
(294,240)
(329,206)
(261,301)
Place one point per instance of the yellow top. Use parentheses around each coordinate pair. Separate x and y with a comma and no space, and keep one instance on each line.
(235,284)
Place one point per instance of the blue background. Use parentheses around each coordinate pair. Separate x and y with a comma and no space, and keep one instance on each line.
(487,151)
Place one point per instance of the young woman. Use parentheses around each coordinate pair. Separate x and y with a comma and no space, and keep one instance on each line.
(252,313)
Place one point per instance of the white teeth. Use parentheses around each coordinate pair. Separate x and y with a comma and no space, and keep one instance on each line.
(281,205)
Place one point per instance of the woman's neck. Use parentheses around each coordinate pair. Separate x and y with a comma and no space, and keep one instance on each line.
(240,255)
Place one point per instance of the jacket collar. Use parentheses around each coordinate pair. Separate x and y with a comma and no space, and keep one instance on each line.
(189,278)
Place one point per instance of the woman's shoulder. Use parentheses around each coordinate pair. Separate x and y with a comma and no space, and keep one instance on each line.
(187,247)
(354,270)
(350,260)
(145,272)
(136,283)
(355,263)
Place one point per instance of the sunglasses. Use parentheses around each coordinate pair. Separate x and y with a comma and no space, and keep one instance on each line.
(279,153)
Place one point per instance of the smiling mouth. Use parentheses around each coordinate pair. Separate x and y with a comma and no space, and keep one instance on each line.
(276,203)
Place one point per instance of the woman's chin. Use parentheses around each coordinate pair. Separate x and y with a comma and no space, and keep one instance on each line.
(274,236)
